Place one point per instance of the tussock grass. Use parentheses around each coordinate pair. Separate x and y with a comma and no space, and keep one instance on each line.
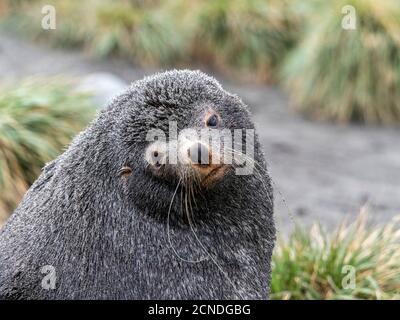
(37,120)
(246,36)
(250,36)
(145,32)
(25,18)
(331,73)
(349,75)
(147,35)
(311,264)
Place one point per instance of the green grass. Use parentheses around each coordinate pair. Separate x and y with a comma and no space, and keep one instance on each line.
(251,37)
(37,120)
(348,75)
(73,28)
(148,35)
(246,36)
(330,73)
(144,32)
(311,264)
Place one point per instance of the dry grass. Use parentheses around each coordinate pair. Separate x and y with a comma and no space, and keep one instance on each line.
(311,264)
(349,75)
(249,38)
(37,120)
(331,73)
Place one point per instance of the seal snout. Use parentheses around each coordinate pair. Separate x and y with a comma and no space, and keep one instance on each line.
(194,158)
(201,160)
(199,154)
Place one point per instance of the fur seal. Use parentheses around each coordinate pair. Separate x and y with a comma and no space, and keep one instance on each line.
(104,222)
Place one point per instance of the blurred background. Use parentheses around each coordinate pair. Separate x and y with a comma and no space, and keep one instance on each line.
(322,79)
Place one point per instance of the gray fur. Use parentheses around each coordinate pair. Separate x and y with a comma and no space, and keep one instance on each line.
(107,236)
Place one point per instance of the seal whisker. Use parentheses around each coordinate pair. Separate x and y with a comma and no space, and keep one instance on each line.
(189,212)
(256,170)
(193,196)
(214,260)
(206,251)
(191,224)
(169,229)
(260,176)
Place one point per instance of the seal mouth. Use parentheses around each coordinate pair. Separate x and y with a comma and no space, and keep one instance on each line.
(214,175)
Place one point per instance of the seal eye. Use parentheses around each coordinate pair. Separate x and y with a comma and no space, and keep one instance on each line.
(156,159)
(212,121)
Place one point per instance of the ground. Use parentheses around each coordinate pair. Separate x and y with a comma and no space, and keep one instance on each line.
(321,171)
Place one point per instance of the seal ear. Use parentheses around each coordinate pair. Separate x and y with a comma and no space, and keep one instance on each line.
(125,172)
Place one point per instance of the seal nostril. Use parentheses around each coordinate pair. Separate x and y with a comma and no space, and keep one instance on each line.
(199,154)
(199,151)
(156,160)
(157,165)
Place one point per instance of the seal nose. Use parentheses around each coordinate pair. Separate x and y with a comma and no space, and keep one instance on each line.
(199,154)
